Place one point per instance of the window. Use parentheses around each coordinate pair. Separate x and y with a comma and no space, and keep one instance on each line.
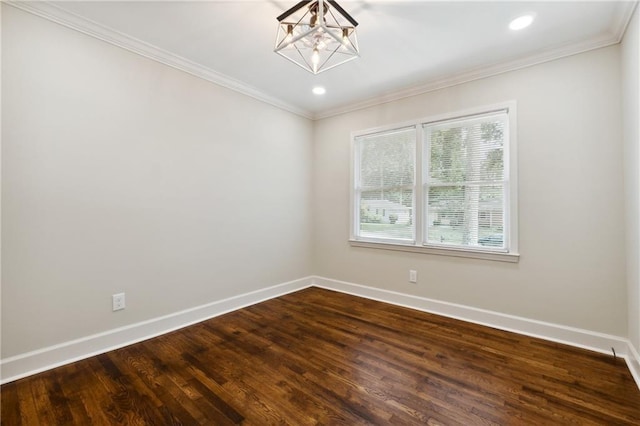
(445,185)
(385,184)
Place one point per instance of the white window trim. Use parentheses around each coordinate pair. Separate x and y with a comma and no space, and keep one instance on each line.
(355,217)
(418,246)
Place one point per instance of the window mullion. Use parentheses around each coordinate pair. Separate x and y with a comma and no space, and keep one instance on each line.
(418,189)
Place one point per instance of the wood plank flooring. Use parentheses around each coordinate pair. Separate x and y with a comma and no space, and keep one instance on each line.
(321,357)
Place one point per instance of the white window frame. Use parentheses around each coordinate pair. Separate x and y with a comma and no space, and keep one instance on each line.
(509,254)
(356,192)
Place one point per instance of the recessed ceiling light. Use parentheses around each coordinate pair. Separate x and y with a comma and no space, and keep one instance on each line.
(319,90)
(521,22)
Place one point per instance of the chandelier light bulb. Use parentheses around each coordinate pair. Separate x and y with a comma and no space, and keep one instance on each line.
(289,36)
(345,36)
(315,57)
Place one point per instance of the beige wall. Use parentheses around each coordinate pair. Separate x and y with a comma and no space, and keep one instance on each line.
(122,174)
(631,134)
(572,266)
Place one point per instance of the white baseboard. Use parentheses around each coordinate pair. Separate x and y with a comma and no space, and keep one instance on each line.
(29,363)
(633,362)
(585,339)
(26,364)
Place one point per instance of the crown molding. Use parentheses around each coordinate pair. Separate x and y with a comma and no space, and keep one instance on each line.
(51,12)
(617,30)
(76,22)
(479,73)
(623,18)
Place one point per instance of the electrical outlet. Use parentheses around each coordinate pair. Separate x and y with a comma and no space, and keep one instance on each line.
(118,301)
(413,276)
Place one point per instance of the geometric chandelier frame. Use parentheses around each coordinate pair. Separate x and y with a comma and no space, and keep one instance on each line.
(317,35)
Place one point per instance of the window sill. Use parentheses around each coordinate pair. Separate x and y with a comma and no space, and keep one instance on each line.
(473,254)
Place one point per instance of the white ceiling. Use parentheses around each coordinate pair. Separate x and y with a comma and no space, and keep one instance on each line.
(407,47)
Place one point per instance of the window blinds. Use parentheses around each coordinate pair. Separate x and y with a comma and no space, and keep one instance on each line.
(385,183)
(465,185)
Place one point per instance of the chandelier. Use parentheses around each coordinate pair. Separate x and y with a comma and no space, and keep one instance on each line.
(317,35)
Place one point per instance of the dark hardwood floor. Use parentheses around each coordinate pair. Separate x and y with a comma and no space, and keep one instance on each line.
(320,357)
